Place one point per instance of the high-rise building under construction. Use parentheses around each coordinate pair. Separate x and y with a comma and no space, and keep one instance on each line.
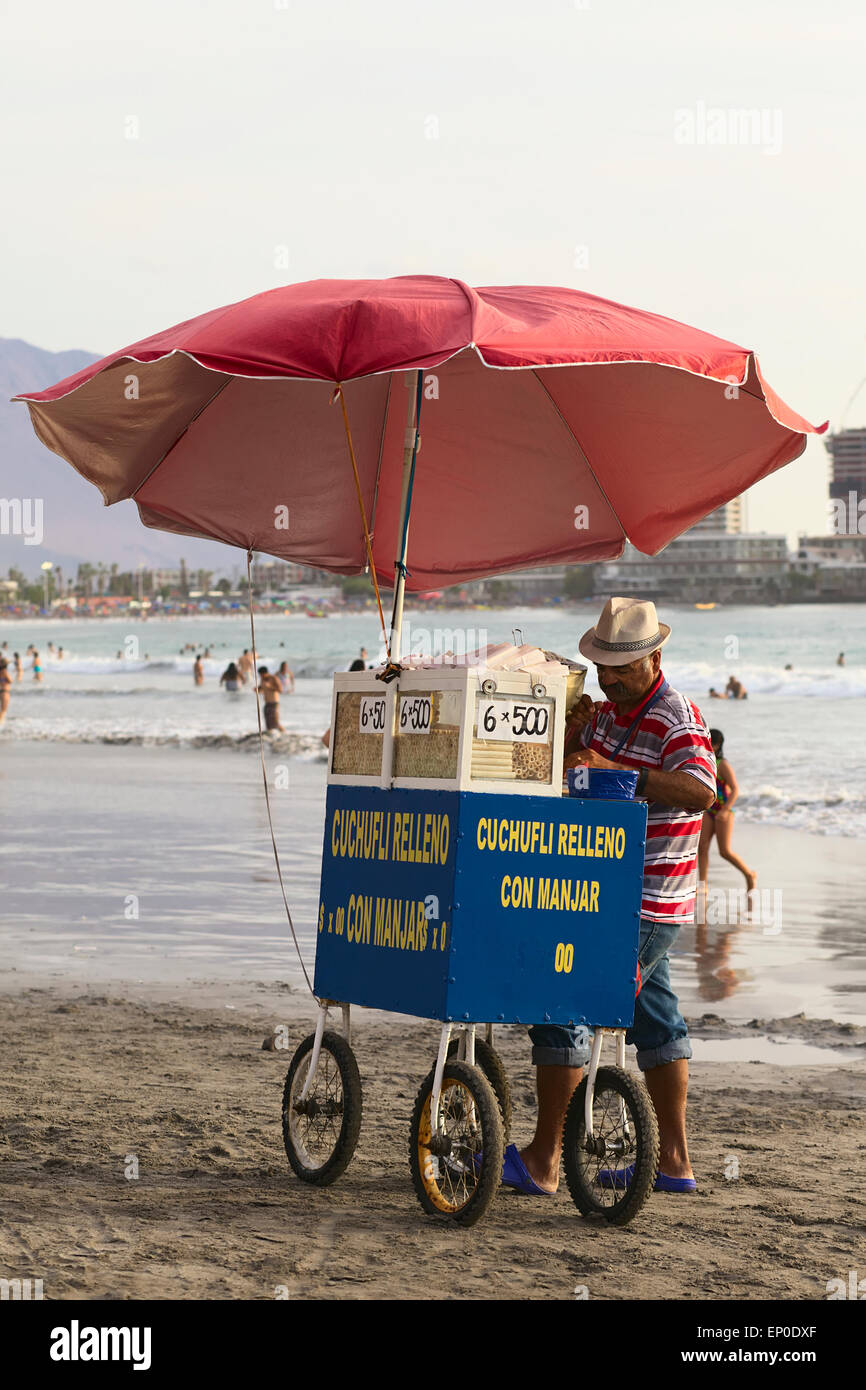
(847,449)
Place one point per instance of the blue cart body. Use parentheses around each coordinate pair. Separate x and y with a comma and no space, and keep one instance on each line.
(489,908)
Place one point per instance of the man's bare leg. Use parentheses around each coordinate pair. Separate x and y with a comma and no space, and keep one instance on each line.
(555,1086)
(668,1086)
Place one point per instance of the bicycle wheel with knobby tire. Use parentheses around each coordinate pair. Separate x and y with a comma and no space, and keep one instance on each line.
(456,1172)
(321,1130)
(612,1174)
(490,1062)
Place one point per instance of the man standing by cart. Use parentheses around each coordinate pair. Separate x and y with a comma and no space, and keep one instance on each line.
(643,724)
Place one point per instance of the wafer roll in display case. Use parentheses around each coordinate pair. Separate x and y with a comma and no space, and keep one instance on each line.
(458,881)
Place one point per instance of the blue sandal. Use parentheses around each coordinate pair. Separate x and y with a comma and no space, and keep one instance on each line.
(516,1174)
(613,1177)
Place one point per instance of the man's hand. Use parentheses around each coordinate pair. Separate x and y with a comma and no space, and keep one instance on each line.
(587,757)
(580,714)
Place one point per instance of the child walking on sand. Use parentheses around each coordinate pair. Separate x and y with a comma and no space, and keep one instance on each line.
(719,819)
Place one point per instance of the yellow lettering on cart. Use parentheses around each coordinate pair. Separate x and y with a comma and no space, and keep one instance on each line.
(619,847)
(544,893)
(436,837)
(593,896)
(444,838)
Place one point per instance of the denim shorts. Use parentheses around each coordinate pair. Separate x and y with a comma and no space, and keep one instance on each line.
(659,1030)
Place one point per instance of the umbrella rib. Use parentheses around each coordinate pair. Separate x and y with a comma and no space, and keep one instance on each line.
(583,455)
(202,408)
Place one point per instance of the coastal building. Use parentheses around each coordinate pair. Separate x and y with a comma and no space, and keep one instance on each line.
(275,576)
(832,568)
(702,566)
(272,576)
(518,586)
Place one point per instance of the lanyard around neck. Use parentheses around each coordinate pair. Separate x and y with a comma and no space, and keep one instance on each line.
(645,709)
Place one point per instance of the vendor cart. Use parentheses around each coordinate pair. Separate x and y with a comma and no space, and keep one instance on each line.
(460,884)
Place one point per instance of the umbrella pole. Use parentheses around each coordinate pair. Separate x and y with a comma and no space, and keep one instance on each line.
(410,451)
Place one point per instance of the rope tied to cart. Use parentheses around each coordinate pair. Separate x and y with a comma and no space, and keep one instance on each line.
(265,772)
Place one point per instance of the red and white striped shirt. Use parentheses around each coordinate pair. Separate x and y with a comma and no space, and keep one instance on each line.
(673,736)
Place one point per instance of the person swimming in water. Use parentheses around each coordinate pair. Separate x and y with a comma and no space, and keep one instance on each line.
(719,819)
(230,677)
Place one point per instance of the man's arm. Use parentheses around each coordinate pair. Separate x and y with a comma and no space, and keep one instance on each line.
(678,789)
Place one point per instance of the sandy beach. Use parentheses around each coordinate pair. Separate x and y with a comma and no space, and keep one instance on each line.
(180,1085)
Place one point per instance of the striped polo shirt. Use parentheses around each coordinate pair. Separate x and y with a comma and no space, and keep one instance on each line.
(675,738)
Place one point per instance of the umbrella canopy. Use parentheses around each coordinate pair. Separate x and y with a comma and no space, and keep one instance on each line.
(554,425)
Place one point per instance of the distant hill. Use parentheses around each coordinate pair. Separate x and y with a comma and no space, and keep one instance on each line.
(77,526)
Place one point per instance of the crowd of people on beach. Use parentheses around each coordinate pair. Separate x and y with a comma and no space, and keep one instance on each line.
(270,685)
(9,678)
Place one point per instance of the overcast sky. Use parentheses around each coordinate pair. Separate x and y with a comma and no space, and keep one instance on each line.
(164,157)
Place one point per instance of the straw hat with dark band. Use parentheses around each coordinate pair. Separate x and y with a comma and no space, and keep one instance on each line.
(627,629)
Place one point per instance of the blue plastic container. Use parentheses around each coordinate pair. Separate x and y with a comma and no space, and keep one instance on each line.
(601,784)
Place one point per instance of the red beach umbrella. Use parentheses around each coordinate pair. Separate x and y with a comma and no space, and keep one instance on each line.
(553,426)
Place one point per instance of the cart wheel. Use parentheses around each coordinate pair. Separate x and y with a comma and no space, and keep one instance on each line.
(456,1174)
(490,1062)
(320,1132)
(612,1174)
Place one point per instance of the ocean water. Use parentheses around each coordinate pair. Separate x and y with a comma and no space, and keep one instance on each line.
(797,744)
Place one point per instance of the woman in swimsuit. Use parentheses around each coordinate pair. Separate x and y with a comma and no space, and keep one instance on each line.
(230,677)
(719,819)
(5,687)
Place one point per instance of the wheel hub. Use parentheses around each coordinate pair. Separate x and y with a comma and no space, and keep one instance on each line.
(440,1145)
(312,1108)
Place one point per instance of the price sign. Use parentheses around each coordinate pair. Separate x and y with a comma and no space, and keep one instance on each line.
(416,714)
(372,717)
(513,721)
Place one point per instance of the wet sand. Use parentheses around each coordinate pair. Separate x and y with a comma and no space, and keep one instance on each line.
(177,1080)
(156,864)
